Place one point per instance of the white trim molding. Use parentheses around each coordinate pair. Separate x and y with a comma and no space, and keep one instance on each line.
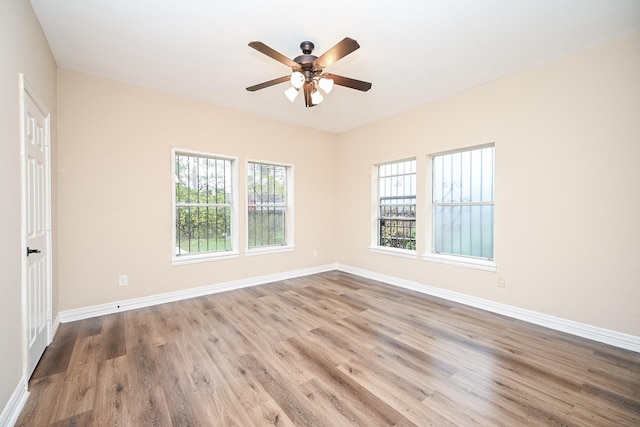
(55,326)
(151,300)
(404,253)
(606,336)
(16,403)
(461,261)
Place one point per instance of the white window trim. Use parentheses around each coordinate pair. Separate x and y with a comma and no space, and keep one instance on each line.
(205,256)
(267,250)
(289,213)
(404,253)
(461,261)
(449,259)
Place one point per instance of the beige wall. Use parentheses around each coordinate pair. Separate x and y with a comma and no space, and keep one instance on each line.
(23,49)
(567,138)
(115,189)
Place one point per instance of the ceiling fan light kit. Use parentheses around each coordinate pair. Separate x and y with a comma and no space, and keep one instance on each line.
(297,79)
(291,93)
(326,84)
(308,71)
(316,97)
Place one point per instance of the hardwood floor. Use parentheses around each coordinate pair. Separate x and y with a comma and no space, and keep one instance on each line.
(327,350)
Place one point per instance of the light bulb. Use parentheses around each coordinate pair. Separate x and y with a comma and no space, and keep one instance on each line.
(297,79)
(316,97)
(291,93)
(325,84)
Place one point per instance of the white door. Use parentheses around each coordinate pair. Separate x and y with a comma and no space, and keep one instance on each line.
(37,271)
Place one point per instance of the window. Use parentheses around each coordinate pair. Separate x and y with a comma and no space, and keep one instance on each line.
(204,219)
(463,202)
(269,219)
(397,205)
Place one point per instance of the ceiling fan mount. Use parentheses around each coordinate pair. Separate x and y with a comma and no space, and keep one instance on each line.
(310,68)
(307,47)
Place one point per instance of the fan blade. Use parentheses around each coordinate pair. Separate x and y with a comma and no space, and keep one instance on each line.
(308,88)
(348,82)
(342,49)
(269,83)
(263,48)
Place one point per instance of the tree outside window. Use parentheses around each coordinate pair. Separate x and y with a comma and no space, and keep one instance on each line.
(267,205)
(203,204)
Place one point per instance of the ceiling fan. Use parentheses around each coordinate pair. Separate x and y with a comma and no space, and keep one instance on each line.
(308,71)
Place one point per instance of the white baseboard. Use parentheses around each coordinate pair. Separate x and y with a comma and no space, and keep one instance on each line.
(132,304)
(14,406)
(54,327)
(616,339)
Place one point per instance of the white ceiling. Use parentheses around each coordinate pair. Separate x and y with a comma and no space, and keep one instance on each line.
(413,51)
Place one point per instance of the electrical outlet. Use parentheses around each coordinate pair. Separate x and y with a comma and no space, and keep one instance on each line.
(315,253)
(123,280)
(501,282)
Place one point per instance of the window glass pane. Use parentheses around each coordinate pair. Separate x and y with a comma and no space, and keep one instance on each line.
(465,177)
(267,226)
(437,179)
(446,179)
(267,202)
(487,174)
(182,183)
(487,231)
(202,229)
(454,181)
(412,183)
(476,176)
(202,204)
(397,205)
(464,230)
(463,191)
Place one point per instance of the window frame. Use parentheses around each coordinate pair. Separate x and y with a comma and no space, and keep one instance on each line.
(430,254)
(375,245)
(289,211)
(211,255)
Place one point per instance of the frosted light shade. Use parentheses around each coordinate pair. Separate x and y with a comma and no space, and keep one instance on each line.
(291,93)
(297,79)
(316,97)
(325,84)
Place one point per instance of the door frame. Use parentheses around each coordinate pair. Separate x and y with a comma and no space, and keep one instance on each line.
(26,90)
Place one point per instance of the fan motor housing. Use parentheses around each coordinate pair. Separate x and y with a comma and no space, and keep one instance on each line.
(306,60)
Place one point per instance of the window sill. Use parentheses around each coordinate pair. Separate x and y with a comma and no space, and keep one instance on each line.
(461,261)
(269,250)
(404,253)
(194,259)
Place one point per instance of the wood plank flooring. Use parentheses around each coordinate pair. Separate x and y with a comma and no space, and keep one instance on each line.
(327,350)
